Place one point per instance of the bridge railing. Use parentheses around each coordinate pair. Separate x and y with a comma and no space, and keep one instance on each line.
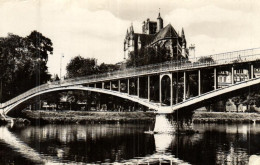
(203,61)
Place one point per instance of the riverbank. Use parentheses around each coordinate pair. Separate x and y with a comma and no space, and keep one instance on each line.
(83,117)
(225,117)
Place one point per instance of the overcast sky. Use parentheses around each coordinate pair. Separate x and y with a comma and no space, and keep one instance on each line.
(96,28)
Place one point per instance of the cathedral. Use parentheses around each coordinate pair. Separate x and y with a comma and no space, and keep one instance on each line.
(155,35)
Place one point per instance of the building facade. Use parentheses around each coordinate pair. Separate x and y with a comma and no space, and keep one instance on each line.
(155,35)
(225,79)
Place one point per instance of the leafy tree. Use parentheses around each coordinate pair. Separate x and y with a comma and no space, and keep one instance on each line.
(148,55)
(79,66)
(23,63)
(103,68)
(39,46)
(206,59)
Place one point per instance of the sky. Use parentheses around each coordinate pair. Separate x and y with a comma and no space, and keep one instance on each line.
(96,28)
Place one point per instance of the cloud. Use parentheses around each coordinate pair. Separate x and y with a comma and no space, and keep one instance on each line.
(97,28)
(214,29)
(73,30)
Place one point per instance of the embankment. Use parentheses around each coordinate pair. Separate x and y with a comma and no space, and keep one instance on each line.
(225,117)
(83,117)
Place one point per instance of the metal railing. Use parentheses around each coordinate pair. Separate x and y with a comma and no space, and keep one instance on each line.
(199,62)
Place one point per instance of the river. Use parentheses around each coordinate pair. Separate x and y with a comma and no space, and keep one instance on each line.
(127,143)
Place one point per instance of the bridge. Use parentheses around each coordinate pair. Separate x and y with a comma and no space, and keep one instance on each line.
(164,87)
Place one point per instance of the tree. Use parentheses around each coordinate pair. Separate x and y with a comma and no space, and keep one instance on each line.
(79,66)
(206,59)
(103,68)
(23,62)
(148,55)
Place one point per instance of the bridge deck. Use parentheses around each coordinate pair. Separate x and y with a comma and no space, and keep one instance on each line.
(243,56)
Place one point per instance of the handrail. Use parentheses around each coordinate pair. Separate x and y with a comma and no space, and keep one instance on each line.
(217,59)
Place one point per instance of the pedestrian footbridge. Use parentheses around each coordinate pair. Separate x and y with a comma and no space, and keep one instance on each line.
(164,80)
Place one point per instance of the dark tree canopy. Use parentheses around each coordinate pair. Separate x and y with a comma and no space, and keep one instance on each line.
(80,66)
(23,63)
(206,59)
(103,68)
(148,55)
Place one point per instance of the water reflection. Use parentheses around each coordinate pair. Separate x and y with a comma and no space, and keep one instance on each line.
(215,144)
(104,143)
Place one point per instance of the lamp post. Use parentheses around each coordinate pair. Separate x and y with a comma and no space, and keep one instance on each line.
(61,64)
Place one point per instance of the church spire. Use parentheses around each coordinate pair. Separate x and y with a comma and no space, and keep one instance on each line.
(159,22)
(183,36)
(127,33)
(182,33)
(131,28)
(159,14)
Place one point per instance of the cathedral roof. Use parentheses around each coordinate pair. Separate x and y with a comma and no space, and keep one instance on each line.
(166,32)
(146,39)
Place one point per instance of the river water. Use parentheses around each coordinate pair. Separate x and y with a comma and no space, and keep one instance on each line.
(127,143)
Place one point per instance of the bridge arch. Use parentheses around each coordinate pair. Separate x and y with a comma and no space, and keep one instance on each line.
(143,102)
(166,93)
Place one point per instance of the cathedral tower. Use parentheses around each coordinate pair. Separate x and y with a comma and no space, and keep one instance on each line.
(159,23)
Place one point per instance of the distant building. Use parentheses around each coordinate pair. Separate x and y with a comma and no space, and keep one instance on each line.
(224,77)
(155,35)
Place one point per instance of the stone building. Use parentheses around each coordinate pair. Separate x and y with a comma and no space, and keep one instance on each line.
(155,35)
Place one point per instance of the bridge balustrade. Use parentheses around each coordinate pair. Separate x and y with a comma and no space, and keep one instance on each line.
(217,59)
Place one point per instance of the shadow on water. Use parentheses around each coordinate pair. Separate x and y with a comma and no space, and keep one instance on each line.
(215,144)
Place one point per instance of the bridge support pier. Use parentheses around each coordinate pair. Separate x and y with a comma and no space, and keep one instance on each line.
(138,86)
(215,79)
(232,75)
(148,88)
(103,85)
(251,71)
(95,85)
(199,83)
(110,85)
(184,85)
(128,86)
(171,88)
(160,90)
(119,85)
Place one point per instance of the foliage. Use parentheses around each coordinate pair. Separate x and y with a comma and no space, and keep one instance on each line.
(80,66)
(206,59)
(148,55)
(23,62)
(103,68)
